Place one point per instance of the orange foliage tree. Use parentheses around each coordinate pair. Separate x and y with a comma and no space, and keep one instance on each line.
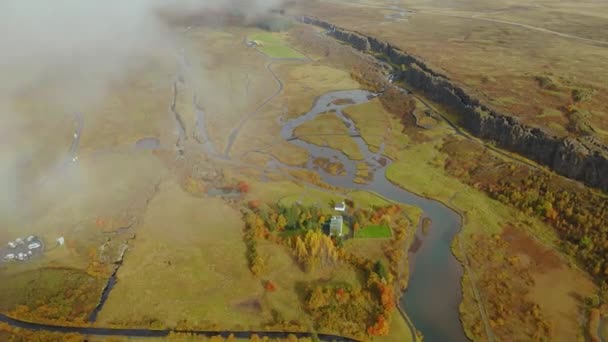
(269,286)
(380,328)
(243,187)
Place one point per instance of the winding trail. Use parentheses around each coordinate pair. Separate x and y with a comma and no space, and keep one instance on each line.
(513,23)
(235,132)
(476,16)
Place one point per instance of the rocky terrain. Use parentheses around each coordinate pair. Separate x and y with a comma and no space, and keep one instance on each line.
(581,158)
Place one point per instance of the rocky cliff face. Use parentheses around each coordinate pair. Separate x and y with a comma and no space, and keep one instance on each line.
(583,159)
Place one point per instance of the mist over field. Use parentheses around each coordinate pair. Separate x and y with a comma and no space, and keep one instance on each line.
(81,45)
(61,56)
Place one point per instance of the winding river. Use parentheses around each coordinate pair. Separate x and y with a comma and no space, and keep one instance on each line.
(434,291)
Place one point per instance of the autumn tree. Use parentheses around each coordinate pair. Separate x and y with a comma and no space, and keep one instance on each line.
(380,270)
(242,187)
(269,286)
(380,328)
(314,249)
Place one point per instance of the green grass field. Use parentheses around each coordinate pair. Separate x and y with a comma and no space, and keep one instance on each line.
(374,232)
(273,46)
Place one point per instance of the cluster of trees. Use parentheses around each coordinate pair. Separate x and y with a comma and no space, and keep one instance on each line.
(357,312)
(64,298)
(354,311)
(580,217)
(254,229)
(314,248)
(8,333)
(395,253)
(378,215)
(293,218)
(505,282)
(303,223)
(341,308)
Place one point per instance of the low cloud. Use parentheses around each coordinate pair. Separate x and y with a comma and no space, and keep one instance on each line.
(64,54)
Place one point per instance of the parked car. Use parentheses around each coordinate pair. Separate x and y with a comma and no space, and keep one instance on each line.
(33,245)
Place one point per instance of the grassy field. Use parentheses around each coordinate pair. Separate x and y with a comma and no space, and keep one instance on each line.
(328,130)
(178,271)
(499,51)
(373,232)
(273,45)
(303,83)
(399,331)
(229,79)
(372,121)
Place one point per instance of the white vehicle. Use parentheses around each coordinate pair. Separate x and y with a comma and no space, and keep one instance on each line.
(19,241)
(30,238)
(9,256)
(75,159)
(33,245)
(75,135)
(12,245)
(21,256)
(29,253)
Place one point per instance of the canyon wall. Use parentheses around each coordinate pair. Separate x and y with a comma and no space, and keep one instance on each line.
(584,159)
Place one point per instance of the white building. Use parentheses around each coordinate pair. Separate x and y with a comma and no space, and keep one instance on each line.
(340,206)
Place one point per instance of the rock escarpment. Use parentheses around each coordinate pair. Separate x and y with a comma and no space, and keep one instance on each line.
(584,159)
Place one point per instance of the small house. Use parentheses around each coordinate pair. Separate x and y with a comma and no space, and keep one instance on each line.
(340,206)
(335,226)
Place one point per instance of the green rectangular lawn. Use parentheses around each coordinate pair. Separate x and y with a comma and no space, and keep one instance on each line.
(373,232)
(280,51)
(274,46)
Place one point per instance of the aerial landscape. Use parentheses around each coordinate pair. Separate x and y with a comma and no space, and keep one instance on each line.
(304,170)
